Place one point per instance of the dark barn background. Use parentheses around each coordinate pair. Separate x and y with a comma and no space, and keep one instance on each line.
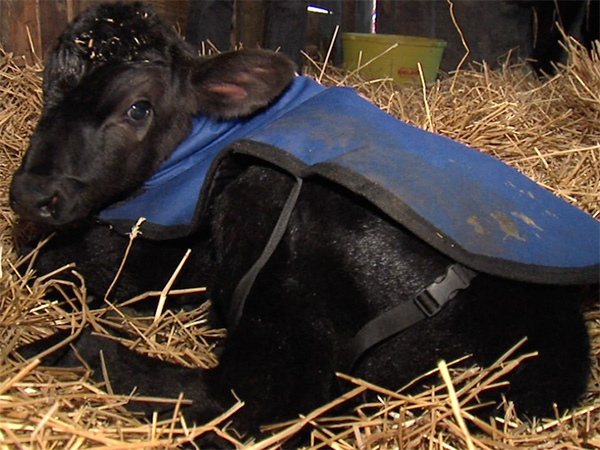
(491,28)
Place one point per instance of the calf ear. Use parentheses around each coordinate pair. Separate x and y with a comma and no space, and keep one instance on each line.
(236,84)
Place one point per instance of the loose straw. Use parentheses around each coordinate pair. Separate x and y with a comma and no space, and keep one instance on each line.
(454,401)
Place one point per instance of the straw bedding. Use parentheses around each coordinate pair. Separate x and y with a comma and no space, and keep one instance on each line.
(549,129)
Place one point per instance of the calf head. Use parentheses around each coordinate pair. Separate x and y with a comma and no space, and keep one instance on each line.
(120,89)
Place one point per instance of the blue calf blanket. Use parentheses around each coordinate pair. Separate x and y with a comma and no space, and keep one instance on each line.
(468,205)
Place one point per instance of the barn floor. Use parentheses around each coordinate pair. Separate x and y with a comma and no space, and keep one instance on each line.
(549,129)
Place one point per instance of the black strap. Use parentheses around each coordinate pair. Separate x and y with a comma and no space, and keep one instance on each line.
(238,299)
(425,304)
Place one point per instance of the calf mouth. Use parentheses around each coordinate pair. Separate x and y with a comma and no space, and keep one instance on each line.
(47,201)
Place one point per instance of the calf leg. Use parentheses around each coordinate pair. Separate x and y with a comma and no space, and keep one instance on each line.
(131,372)
(98,252)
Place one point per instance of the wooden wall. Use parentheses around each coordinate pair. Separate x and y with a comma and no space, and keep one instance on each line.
(28,26)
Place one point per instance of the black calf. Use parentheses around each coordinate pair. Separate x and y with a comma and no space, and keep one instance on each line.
(120,90)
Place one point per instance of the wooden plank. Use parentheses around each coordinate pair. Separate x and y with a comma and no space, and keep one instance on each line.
(348,16)
(20,27)
(53,17)
(174,12)
(386,17)
(249,23)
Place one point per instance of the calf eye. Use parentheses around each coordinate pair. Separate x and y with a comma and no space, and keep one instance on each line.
(139,111)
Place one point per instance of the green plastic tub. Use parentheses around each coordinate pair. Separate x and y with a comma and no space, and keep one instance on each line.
(400,62)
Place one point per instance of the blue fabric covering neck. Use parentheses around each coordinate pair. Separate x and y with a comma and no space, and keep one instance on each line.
(468,205)
(169,196)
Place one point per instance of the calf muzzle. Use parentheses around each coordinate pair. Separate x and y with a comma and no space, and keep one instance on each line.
(43,199)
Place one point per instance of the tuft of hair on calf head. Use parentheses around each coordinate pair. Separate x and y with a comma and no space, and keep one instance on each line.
(105,33)
(227,85)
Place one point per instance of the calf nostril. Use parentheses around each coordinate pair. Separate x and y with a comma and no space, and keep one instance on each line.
(49,207)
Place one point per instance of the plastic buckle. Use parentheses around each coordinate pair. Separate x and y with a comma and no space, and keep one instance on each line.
(431,299)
